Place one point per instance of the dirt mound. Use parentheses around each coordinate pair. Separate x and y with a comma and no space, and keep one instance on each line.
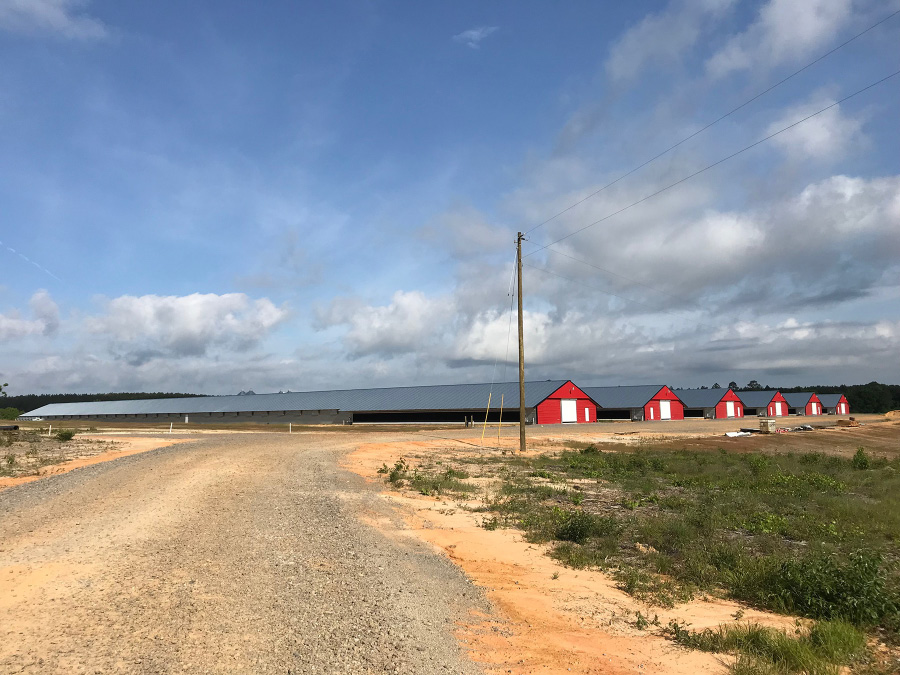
(893,415)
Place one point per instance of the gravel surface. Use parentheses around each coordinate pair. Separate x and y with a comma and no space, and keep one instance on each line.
(233,553)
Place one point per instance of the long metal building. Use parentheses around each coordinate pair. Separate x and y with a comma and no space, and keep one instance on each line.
(547,402)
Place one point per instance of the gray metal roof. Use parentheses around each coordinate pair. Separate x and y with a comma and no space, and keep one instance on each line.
(636,396)
(701,398)
(389,399)
(756,399)
(798,399)
(829,400)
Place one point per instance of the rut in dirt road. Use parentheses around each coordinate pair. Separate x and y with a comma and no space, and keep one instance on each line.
(240,553)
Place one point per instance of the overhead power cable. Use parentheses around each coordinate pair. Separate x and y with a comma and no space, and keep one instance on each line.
(596,288)
(714,164)
(714,122)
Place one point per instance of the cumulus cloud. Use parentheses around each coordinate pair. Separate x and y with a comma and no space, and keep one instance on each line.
(60,17)
(411,321)
(662,38)
(827,136)
(45,319)
(785,31)
(832,241)
(474,36)
(143,327)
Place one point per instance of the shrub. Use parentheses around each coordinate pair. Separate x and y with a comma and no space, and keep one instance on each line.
(820,587)
(9,413)
(579,526)
(860,460)
(65,435)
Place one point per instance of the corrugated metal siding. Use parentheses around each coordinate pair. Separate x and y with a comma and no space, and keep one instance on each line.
(437,397)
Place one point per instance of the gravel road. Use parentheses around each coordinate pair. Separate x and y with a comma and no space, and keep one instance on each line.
(239,553)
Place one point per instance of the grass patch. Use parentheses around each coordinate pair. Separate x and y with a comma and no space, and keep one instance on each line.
(821,649)
(807,534)
(427,483)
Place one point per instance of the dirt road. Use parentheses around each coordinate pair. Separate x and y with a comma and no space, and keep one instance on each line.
(226,554)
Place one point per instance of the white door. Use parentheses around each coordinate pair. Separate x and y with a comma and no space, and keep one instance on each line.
(729,408)
(843,407)
(569,410)
(651,412)
(665,410)
(587,414)
(777,408)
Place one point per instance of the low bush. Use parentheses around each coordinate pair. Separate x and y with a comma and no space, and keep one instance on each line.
(860,460)
(65,435)
(818,586)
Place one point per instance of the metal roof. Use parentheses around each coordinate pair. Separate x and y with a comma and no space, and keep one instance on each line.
(701,398)
(829,400)
(798,399)
(756,399)
(389,399)
(636,396)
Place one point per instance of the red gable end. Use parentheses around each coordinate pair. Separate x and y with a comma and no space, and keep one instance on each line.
(568,400)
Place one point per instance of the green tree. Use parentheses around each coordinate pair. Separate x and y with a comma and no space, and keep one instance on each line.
(732,385)
(753,385)
(717,386)
(3,393)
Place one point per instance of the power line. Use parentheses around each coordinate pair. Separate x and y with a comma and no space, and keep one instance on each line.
(715,164)
(595,288)
(713,123)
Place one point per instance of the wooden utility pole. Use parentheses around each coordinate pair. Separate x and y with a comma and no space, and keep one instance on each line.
(521,345)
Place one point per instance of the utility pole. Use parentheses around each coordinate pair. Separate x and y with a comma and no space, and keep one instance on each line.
(521,345)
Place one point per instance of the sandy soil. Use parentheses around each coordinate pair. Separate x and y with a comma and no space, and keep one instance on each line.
(105,452)
(552,619)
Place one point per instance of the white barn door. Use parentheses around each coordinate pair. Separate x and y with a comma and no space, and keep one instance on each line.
(729,408)
(665,410)
(778,412)
(568,410)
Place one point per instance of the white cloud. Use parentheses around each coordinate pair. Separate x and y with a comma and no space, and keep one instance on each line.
(785,31)
(411,321)
(45,321)
(827,136)
(474,36)
(833,241)
(662,38)
(61,17)
(152,325)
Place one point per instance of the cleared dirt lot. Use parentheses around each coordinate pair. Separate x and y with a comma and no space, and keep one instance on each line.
(246,551)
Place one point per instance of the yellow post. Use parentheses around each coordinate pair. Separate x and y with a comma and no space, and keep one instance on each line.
(500,426)
(485,418)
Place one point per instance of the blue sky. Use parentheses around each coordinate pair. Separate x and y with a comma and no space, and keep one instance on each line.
(216,196)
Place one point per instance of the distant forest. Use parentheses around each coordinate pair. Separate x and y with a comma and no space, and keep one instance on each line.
(28,402)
